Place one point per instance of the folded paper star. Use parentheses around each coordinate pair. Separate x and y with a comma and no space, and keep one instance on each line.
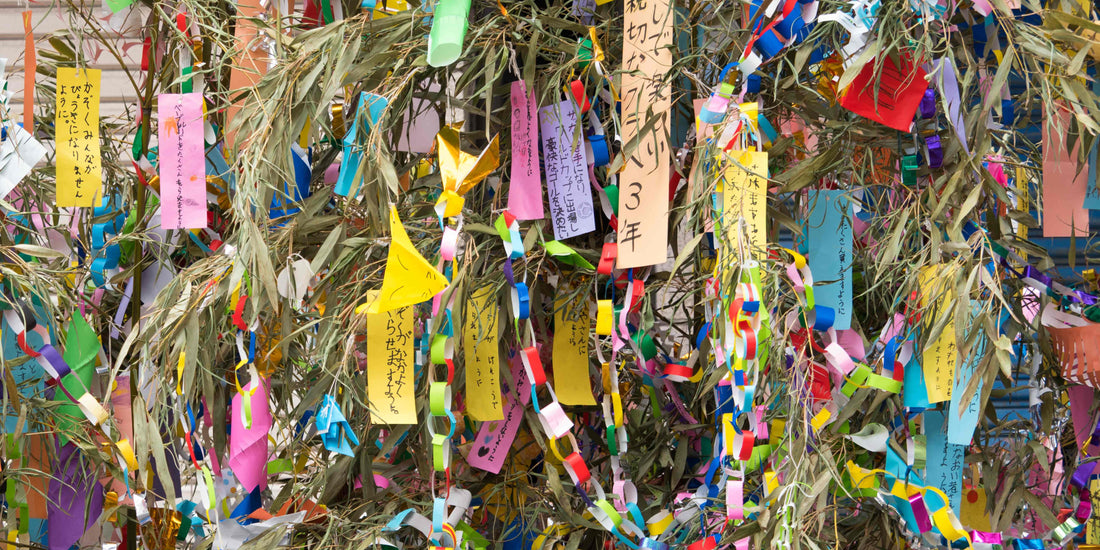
(461,171)
(334,429)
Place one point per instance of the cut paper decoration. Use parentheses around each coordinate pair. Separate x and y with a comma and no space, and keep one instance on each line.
(1081,399)
(449,21)
(525,191)
(494,439)
(418,133)
(1079,354)
(745,201)
(1064,186)
(19,153)
(642,234)
(250,65)
(567,188)
(81,349)
(409,278)
(963,417)
(75,498)
(79,169)
(335,432)
(370,108)
(939,358)
(829,242)
(974,515)
(945,460)
(481,347)
(181,161)
(292,282)
(898,89)
(390,376)
(872,437)
(566,255)
(461,171)
(572,381)
(248,445)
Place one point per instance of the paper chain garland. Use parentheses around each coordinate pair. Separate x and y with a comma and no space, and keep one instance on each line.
(738,459)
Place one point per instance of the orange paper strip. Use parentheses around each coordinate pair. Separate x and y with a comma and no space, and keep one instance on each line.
(1064,212)
(643,189)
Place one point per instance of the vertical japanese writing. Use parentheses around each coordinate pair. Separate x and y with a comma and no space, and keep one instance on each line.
(571,209)
(829,242)
(182,166)
(643,191)
(744,210)
(940,357)
(390,375)
(482,354)
(525,193)
(79,170)
(571,330)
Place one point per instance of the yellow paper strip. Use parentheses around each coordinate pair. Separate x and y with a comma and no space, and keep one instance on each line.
(745,197)
(1092,533)
(79,172)
(571,378)
(643,192)
(940,357)
(481,348)
(390,375)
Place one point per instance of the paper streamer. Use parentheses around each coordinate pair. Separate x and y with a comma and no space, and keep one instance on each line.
(525,192)
(572,382)
(964,417)
(643,186)
(79,169)
(248,446)
(30,69)
(745,200)
(945,461)
(494,439)
(390,375)
(180,162)
(939,358)
(1064,212)
(829,243)
(567,187)
(481,347)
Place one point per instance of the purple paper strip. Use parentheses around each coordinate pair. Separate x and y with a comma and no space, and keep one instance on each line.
(928,104)
(72,486)
(571,207)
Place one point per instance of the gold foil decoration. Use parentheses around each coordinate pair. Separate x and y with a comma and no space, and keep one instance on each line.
(461,171)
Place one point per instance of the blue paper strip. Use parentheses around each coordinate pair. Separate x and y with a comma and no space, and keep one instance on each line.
(829,245)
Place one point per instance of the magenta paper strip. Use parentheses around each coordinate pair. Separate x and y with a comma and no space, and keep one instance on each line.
(182,163)
(567,184)
(525,193)
(494,439)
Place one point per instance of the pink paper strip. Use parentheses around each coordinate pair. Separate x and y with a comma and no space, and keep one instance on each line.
(1080,404)
(525,193)
(248,447)
(1064,213)
(182,165)
(494,439)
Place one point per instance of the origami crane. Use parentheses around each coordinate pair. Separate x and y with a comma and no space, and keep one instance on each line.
(460,171)
(333,428)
